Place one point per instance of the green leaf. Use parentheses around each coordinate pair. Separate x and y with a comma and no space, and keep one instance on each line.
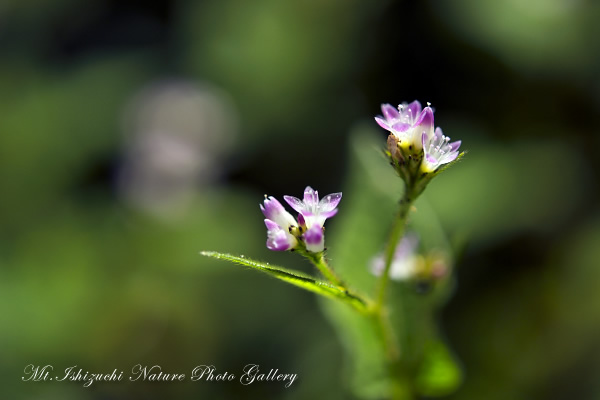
(439,374)
(297,279)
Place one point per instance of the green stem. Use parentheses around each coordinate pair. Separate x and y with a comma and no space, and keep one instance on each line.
(318,259)
(400,388)
(388,337)
(395,235)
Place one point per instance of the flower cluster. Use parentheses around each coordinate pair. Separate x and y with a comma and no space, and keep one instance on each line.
(413,137)
(408,264)
(284,232)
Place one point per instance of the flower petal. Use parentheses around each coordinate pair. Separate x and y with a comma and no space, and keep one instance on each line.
(274,211)
(278,241)
(401,126)
(324,215)
(382,123)
(311,198)
(425,120)
(389,112)
(455,145)
(314,239)
(329,202)
(271,208)
(272,226)
(301,220)
(295,203)
(413,110)
(450,157)
(424,125)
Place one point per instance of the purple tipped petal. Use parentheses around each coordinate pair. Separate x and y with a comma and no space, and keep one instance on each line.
(329,202)
(311,211)
(314,239)
(455,145)
(382,123)
(278,241)
(272,208)
(272,226)
(413,109)
(438,133)
(389,112)
(425,120)
(311,197)
(294,202)
(277,238)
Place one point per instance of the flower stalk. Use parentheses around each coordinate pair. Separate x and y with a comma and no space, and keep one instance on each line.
(319,261)
(400,387)
(396,234)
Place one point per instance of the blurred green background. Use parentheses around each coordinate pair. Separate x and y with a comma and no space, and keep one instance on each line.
(134,134)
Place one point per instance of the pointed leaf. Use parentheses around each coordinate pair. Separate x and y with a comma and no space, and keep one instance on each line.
(297,279)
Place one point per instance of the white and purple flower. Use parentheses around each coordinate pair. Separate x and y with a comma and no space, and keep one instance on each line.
(408,264)
(413,130)
(285,233)
(405,263)
(279,223)
(438,150)
(313,209)
(408,123)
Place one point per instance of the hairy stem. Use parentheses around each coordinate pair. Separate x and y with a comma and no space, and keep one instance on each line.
(318,259)
(395,236)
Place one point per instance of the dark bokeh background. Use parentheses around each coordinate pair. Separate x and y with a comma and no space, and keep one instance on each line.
(135,134)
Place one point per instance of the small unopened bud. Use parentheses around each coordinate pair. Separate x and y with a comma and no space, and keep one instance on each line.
(394,149)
